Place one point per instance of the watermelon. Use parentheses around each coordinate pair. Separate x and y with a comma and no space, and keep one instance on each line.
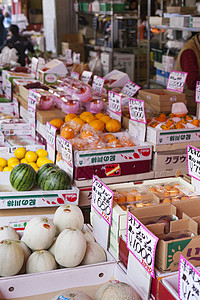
(43,170)
(23,177)
(53,178)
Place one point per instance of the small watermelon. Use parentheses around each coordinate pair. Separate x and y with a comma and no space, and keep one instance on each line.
(23,177)
(43,170)
(55,179)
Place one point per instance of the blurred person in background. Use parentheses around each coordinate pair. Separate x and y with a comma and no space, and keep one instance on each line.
(3,32)
(20,43)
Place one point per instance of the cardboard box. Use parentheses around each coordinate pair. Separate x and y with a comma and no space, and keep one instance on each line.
(18,124)
(29,142)
(125,63)
(119,78)
(167,161)
(159,21)
(17,83)
(168,173)
(181,9)
(180,21)
(75,42)
(10,76)
(191,208)
(52,71)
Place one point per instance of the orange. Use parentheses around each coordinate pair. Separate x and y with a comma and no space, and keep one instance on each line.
(195,122)
(99,116)
(161,118)
(105,119)
(97,125)
(12,160)
(31,156)
(126,142)
(3,162)
(67,132)
(113,125)
(20,152)
(109,136)
(42,153)
(87,134)
(57,123)
(115,143)
(79,122)
(69,117)
(188,117)
(87,116)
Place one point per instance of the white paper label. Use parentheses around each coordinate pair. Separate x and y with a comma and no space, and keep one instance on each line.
(115,103)
(66,151)
(98,84)
(68,56)
(130,89)
(136,110)
(85,77)
(16,107)
(75,75)
(176,81)
(8,89)
(141,243)
(188,281)
(193,162)
(76,58)
(197,92)
(102,199)
(33,95)
(51,140)
(32,115)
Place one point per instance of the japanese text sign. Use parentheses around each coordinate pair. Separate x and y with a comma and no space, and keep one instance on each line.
(75,75)
(102,199)
(193,162)
(136,110)
(33,95)
(32,115)
(76,58)
(66,151)
(176,81)
(188,281)
(51,140)
(141,243)
(115,103)
(16,107)
(197,92)
(98,84)
(68,56)
(85,77)
(130,88)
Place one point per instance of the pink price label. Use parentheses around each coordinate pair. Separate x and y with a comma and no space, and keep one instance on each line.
(115,103)
(176,81)
(188,281)
(193,158)
(75,75)
(98,84)
(102,199)
(197,92)
(51,134)
(130,88)
(141,243)
(137,110)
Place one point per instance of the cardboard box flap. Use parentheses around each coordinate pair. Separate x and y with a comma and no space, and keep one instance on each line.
(189,207)
(155,210)
(72,38)
(56,66)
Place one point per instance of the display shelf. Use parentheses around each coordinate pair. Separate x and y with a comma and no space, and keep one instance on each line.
(195,29)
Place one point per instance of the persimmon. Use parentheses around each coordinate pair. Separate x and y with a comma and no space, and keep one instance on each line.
(87,134)
(126,141)
(153,124)
(105,119)
(58,123)
(195,122)
(67,132)
(69,117)
(87,116)
(161,118)
(97,125)
(113,125)
(99,116)
(109,136)
(115,143)
(79,122)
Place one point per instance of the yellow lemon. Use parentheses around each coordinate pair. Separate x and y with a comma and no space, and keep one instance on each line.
(23,161)
(20,152)
(7,169)
(14,164)
(34,166)
(12,160)
(1,168)
(31,156)
(40,161)
(42,153)
(3,162)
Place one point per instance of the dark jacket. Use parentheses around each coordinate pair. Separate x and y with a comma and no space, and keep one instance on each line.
(3,31)
(21,44)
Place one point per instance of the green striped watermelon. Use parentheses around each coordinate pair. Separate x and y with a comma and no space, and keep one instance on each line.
(56,179)
(23,177)
(42,172)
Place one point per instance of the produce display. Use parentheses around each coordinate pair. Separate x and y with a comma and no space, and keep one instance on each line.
(72,246)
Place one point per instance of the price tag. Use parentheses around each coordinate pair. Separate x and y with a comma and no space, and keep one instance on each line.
(86,76)
(31,115)
(193,162)
(141,243)
(76,58)
(68,56)
(176,81)
(51,140)
(102,199)
(66,150)
(16,107)
(75,75)
(98,84)
(188,281)
(115,102)
(130,88)
(33,95)
(8,92)
(136,110)
(197,92)
(34,65)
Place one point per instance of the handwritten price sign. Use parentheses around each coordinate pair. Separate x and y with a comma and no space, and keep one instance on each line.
(16,107)
(115,102)
(76,58)
(176,81)
(197,92)
(137,111)
(102,199)
(66,151)
(51,140)
(31,115)
(130,88)
(142,243)
(33,95)
(193,162)
(188,281)
(85,77)
(68,56)
(98,84)
(75,75)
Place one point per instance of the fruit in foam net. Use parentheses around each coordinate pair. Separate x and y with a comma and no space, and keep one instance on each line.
(95,106)
(70,106)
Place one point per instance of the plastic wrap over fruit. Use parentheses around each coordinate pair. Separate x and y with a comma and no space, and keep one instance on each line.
(70,106)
